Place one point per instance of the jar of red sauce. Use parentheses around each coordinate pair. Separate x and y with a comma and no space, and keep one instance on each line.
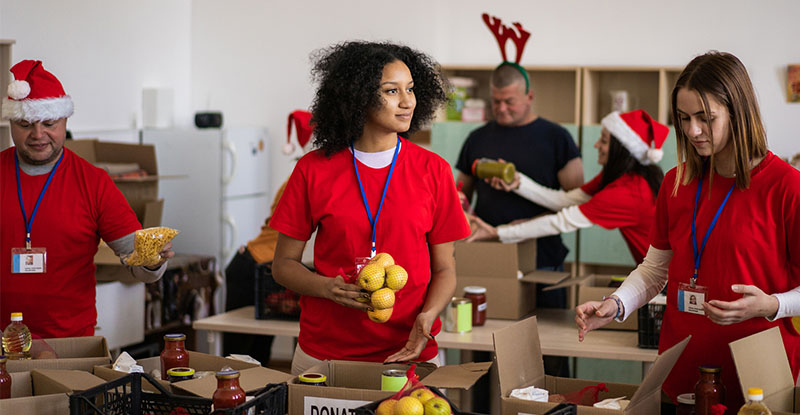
(478,297)
(228,394)
(709,390)
(5,379)
(174,354)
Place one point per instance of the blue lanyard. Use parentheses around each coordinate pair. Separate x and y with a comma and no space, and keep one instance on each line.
(373,222)
(697,253)
(29,222)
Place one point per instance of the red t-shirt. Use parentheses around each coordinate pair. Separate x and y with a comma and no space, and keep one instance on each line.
(754,242)
(626,203)
(80,206)
(421,208)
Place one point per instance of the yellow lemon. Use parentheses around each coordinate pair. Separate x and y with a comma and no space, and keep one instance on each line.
(383,298)
(371,277)
(422,394)
(383,259)
(396,277)
(386,407)
(409,405)
(380,316)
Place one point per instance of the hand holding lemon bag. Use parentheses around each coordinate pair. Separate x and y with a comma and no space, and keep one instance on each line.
(381,277)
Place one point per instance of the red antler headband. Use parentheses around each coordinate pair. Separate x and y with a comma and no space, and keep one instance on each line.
(502,33)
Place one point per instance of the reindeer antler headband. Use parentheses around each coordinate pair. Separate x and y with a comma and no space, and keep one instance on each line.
(502,33)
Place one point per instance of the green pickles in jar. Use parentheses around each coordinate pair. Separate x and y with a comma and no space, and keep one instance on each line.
(485,168)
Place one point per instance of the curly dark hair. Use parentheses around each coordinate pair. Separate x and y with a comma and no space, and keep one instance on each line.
(349,76)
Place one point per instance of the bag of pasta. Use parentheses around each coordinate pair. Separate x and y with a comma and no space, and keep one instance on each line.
(148,244)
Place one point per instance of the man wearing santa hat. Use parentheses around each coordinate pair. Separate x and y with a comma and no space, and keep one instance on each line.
(56,207)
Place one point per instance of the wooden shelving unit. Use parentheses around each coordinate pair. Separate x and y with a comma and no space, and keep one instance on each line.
(5,79)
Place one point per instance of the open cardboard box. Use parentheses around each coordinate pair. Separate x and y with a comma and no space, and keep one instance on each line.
(761,362)
(354,384)
(200,362)
(44,391)
(140,192)
(594,287)
(507,271)
(76,353)
(519,365)
(249,379)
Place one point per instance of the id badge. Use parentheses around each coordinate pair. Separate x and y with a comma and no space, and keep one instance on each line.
(691,299)
(28,261)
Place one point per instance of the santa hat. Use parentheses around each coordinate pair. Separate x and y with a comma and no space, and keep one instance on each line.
(35,95)
(639,133)
(302,123)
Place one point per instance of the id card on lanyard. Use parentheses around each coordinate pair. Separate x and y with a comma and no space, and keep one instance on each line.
(691,296)
(373,221)
(30,259)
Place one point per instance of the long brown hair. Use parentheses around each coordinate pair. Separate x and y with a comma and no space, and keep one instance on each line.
(723,77)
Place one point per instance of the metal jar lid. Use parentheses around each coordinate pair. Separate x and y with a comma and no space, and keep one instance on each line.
(174,337)
(227,374)
(180,371)
(457,301)
(710,369)
(312,378)
(686,398)
(474,289)
(394,373)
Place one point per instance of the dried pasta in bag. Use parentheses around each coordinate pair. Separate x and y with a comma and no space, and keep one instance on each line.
(147,246)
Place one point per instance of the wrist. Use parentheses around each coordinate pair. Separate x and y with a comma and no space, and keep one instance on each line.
(618,303)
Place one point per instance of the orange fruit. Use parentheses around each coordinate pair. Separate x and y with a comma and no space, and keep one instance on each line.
(396,277)
(380,316)
(383,259)
(371,277)
(382,299)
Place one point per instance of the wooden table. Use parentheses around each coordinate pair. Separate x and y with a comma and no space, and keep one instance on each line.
(557,333)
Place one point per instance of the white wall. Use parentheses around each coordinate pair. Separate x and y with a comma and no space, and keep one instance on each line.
(250,58)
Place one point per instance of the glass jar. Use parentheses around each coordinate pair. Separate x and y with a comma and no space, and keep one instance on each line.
(313,379)
(228,394)
(483,168)
(685,404)
(709,390)
(174,354)
(177,374)
(5,379)
(478,297)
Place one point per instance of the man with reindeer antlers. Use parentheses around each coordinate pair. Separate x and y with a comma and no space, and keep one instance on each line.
(540,149)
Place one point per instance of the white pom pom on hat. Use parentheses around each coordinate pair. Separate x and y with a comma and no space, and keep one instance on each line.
(19,89)
(655,155)
(288,148)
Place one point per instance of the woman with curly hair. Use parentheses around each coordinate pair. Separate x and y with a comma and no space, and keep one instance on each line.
(364,190)
(622,195)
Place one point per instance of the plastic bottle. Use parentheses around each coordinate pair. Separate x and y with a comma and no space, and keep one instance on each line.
(17,339)
(228,394)
(754,404)
(5,379)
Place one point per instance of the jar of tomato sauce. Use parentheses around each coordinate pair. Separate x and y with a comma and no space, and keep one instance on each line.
(709,390)
(478,297)
(228,394)
(174,354)
(5,379)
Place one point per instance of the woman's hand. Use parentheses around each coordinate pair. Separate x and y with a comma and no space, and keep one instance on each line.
(754,303)
(417,340)
(481,231)
(594,314)
(340,292)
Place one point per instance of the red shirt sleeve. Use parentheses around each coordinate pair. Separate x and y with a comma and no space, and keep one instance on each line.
(594,185)
(294,210)
(618,204)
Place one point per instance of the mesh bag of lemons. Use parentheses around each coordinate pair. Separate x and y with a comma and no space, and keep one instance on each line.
(415,398)
(382,278)
(148,244)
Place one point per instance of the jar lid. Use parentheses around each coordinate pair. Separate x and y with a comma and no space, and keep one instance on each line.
(16,316)
(459,300)
(228,374)
(755,394)
(710,369)
(180,371)
(686,398)
(3,359)
(618,279)
(474,289)
(174,337)
(312,377)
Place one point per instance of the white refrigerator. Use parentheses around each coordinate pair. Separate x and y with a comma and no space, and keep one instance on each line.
(220,196)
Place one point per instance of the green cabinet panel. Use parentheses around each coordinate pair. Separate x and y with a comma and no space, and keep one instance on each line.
(599,245)
(447,139)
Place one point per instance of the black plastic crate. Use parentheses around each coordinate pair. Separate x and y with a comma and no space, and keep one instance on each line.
(650,317)
(370,408)
(274,301)
(269,400)
(124,396)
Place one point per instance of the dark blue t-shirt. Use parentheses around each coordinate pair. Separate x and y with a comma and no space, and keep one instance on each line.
(538,150)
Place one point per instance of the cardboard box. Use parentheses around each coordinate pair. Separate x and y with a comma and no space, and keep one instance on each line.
(519,365)
(354,384)
(200,362)
(141,192)
(593,288)
(44,391)
(761,362)
(507,271)
(75,353)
